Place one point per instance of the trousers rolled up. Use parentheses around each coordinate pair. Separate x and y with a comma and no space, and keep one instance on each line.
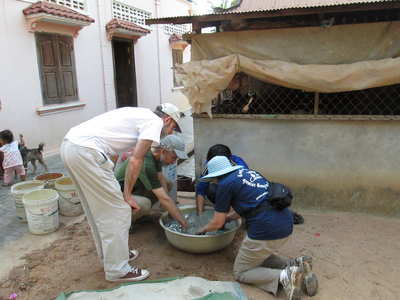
(108,215)
(257,264)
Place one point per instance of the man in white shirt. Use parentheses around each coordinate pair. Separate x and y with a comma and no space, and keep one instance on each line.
(87,152)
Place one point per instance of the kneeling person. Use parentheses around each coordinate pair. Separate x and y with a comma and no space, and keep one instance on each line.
(269,226)
(151,185)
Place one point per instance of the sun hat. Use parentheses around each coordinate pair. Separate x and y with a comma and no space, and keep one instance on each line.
(172,111)
(217,166)
(175,143)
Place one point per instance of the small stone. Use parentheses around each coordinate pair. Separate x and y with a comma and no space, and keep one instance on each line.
(176,266)
(7,284)
(22,286)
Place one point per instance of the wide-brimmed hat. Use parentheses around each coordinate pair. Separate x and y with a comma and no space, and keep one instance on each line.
(175,143)
(217,166)
(174,112)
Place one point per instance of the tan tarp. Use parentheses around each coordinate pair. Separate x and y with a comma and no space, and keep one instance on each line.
(204,80)
(341,44)
(335,59)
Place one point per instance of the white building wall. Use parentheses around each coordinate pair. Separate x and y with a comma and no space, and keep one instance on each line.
(166,9)
(20,88)
(102,13)
(147,51)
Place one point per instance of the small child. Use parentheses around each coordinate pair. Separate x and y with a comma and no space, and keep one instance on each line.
(12,161)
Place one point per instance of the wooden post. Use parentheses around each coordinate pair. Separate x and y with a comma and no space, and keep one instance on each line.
(196,27)
(316,103)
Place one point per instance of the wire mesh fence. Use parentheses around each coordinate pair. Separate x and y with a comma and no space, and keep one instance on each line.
(246,95)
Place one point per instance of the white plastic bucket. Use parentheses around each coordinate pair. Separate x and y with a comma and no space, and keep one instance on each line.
(69,202)
(18,190)
(41,208)
(49,179)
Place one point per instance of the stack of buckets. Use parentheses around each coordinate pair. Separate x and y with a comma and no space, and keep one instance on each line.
(39,201)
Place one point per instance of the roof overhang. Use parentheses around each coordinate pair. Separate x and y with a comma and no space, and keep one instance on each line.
(123,33)
(43,17)
(43,22)
(125,29)
(177,42)
(48,17)
(199,21)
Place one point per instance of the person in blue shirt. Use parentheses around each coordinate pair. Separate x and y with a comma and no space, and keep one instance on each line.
(268,229)
(206,190)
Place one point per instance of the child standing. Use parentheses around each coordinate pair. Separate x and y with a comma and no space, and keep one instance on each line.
(12,161)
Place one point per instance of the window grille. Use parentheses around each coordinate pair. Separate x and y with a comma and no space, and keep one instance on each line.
(177,29)
(129,13)
(73,4)
(251,96)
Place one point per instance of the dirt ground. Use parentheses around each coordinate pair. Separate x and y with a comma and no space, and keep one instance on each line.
(355,257)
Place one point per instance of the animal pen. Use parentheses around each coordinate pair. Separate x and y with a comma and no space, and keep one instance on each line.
(309,96)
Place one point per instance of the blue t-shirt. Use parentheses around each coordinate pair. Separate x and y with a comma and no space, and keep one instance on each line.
(245,189)
(202,186)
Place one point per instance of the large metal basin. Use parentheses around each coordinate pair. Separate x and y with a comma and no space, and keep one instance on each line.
(197,243)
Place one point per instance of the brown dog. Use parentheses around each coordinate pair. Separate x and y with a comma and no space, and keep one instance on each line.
(32,155)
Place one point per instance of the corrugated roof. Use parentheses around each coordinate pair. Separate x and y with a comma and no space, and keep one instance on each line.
(269,5)
(55,10)
(273,7)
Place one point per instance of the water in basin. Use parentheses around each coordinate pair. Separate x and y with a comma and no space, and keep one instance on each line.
(196,223)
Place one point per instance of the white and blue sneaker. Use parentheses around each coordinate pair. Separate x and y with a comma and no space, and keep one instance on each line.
(291,279)
(310,280)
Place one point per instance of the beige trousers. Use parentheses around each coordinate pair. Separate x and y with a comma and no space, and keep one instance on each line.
(145,207)
(108,215)
(257,264)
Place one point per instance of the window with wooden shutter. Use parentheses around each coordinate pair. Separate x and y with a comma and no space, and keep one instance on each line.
(177,58)
(57,68)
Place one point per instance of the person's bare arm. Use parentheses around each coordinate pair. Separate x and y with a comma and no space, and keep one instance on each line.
(232,216)
(217,222)
(163,181)
(169,205)
(114,159)
(133,169)
(200,204)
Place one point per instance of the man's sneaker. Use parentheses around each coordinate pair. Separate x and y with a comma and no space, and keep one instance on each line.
(135,274)
(300,260)
(310,281)
(133,254)
(291,279)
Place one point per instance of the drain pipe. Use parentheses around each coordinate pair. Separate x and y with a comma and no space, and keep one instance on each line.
(156,7)
(100,27)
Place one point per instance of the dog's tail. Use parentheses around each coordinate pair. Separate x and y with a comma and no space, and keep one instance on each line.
(41,146)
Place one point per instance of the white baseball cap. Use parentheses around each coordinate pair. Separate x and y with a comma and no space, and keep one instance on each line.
(172,111)
(175,143)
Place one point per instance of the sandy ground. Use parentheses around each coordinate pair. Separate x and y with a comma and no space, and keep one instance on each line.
(355,257)
(27,243)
